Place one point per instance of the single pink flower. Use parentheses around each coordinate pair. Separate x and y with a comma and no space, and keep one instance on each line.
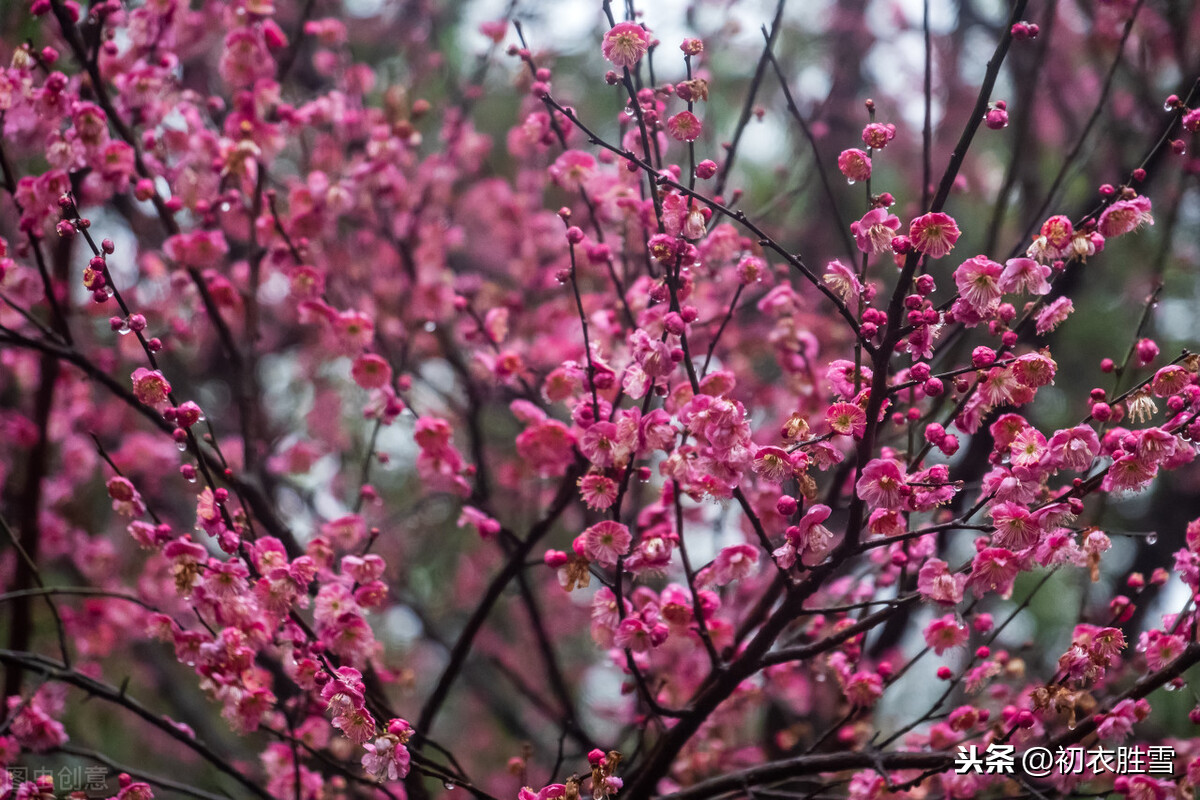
(846,419)
(876,135)
(371,371)
(1125,216)
(1057,232)
(946,633)
(978,282)
(598,491)
(357,724)
(548,447)
(150,387)
(345,690)
(1027,448)
(625,44)
(1016,528)
(1054,315)
(875,231)
(842,280)
(1073,449)
(1024,275)
(685,126)
(126,499)
(606,541)
(882,483)
(855,165)
(571,169)
(863,689)
(1118,724)
(1161,648)
(813,540)
(1107,644)
(733,563)
(773,464)
(934,234)
(1129,473)
(386,759)
(994,569)
(1169,380)
(935,582)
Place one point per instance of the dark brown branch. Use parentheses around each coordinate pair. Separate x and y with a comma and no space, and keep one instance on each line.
(751,94)
(153,780)
(815,764)
(28,534)
(818,162)
(515,563)
(802,652)
(61,673)
(1087,128)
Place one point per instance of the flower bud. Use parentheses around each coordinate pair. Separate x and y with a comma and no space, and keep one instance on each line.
(706,169)
(982,357)
(996,119)
(1147,351)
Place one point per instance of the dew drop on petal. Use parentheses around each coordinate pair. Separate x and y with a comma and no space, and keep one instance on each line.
(430,326)
(851,182)
(181,446)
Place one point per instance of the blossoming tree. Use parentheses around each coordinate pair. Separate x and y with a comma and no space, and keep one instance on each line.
(390,426)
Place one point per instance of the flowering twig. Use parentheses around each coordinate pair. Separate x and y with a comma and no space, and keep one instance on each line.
(64,674)
(751,94)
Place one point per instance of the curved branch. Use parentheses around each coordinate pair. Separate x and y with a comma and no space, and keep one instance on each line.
(514,565)
(58,672)
(814,764)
